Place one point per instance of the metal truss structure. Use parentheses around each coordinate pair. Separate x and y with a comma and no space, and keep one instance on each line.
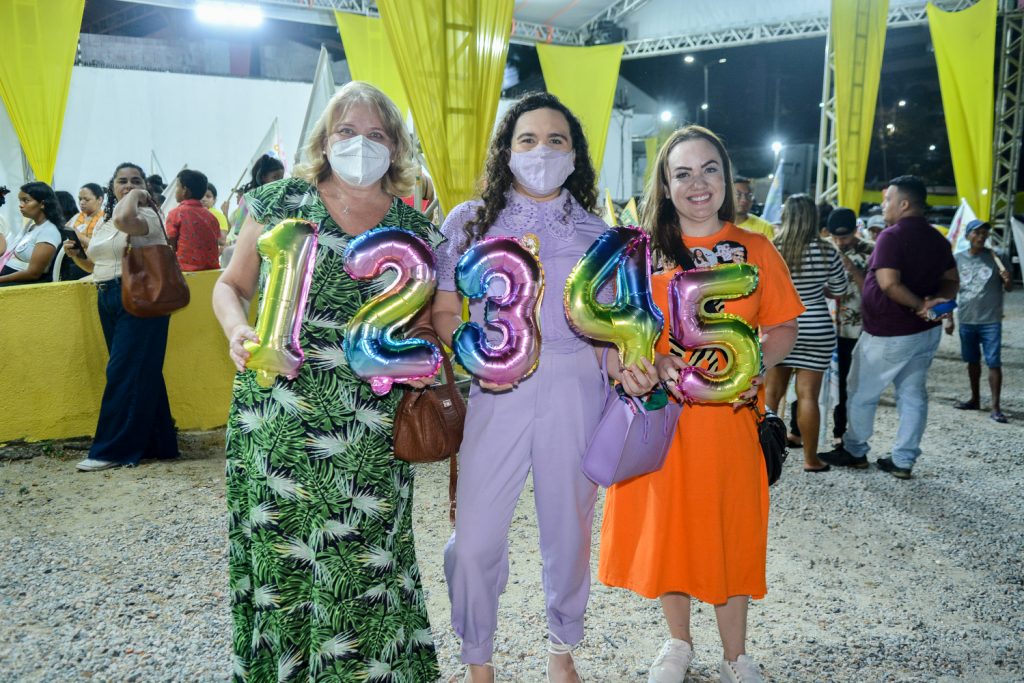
(1009,116)
(827,184)
(811,27)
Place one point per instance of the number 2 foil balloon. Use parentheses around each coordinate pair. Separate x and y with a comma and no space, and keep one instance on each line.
(513,314)
(373,351)
(633,323)
(289,248)
(695,328)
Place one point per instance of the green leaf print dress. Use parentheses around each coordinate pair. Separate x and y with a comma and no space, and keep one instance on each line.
(323,575)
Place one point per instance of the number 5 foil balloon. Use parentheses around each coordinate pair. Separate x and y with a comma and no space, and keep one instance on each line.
(695,328)
(633,323)
(289,248)
(373,352)
(513,314)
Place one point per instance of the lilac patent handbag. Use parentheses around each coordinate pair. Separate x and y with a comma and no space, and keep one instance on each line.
(629,440)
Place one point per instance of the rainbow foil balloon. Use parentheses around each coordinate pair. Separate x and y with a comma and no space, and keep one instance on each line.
(513,314)
(373,352)
(632,322)
(695,328)
(289,248)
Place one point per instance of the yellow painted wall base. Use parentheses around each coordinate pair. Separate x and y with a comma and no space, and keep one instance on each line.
(53,361)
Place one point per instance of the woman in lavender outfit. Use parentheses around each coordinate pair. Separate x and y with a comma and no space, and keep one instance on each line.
(540,184)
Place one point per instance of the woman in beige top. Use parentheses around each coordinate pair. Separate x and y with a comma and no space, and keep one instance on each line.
(135,417)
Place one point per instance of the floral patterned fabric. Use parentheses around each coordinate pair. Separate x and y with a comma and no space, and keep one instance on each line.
(848,313)
(323,575)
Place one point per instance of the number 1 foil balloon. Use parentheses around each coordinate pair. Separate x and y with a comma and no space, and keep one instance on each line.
(373,352)
(289,248)
(695,328)
(513,314)
(633,323)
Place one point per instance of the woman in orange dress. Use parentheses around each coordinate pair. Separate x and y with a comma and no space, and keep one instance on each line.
(698,528)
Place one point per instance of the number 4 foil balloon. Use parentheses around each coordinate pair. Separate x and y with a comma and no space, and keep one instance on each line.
(633,323)
(695,328)
(290,250)
(513,314)
(373,351)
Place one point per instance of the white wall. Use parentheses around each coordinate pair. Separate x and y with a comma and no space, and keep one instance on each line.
(211,123)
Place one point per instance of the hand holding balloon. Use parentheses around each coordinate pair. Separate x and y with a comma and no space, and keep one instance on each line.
(373,352)
(290,249)
(694,328)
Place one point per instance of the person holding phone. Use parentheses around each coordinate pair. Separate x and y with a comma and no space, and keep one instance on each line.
(910,271)
(135,416)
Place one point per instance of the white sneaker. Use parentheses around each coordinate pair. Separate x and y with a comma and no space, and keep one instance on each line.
(672,662)
(743,670)
(90,465)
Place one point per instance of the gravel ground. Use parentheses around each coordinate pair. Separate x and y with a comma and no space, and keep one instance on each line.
(121,575)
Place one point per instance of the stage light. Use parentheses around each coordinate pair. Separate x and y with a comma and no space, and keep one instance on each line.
(666,116)
(704,106)
(776,146)
(901,103)
(931,148)
(688,59)
(723,60)
(229,14)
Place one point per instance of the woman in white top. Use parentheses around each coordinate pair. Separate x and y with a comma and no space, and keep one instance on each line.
(135,417)
(27,255)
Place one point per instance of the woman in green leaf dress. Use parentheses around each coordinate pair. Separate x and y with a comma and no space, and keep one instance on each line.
(323,575)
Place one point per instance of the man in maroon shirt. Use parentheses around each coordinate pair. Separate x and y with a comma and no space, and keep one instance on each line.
(191,229)
(910,271)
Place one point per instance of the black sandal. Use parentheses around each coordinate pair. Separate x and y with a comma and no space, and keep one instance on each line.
(966,405)
(826,468)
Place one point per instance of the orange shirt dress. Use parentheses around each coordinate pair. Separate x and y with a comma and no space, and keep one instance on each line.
(699,525)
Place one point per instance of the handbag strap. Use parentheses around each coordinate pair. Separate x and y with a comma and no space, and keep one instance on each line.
(424,331)
(159,220)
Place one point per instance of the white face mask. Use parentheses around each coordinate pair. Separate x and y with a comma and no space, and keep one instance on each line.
(359,161)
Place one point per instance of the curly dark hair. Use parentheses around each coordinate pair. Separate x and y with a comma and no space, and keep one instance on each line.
(264,165)
(111,198)
(581,184)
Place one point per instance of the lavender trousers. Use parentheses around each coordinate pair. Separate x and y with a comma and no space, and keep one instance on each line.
(542,424)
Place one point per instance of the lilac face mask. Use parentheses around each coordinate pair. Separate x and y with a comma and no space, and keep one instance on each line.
(542,170)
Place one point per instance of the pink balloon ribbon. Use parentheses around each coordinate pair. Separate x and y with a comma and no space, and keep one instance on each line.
(290,250)
(373,351)
(695,328)
(513,314)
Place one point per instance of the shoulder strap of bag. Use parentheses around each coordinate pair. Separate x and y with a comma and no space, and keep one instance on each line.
(159,220)
(427,332)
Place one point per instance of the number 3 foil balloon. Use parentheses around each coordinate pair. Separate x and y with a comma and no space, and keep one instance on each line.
(373,352)
(289,248)
(695,328)
(632,322)
(513,314)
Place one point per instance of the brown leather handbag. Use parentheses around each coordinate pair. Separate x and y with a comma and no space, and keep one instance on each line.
(151,281)
(429,421)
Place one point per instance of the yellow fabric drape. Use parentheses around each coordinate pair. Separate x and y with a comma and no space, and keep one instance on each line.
(451,57)
(858,39)
(39,41)
(590,97)
(965,52)
(369,55)
(609,209)
(651,145)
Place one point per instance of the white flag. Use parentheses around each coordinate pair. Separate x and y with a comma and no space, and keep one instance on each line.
(964,215)
(171,193)
(270,144)
(773,202)
(321,93)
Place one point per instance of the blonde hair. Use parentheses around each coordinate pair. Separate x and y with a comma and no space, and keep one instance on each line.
(658,214)
(315,168)
(799,231)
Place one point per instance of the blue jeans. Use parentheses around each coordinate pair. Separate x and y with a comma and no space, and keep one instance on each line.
(135,416)
(877,363)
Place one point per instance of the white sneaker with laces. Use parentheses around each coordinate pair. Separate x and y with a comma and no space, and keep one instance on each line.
(743,670)
(672,662)
(90,465)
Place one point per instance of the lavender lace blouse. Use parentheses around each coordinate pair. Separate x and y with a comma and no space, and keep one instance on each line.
(564,230)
